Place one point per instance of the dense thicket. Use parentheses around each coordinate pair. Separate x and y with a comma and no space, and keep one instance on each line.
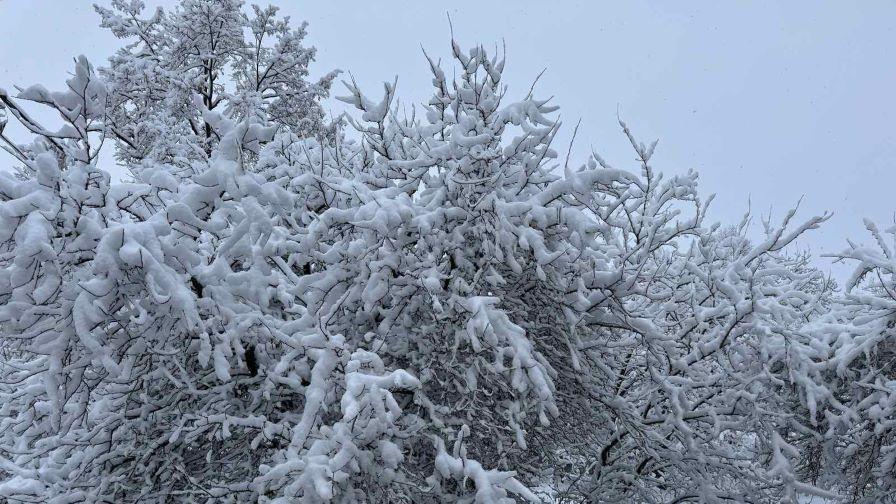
(424,306)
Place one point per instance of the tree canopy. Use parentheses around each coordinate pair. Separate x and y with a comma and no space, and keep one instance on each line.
(402,305)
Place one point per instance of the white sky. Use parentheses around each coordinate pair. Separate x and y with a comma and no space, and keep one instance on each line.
(770,101)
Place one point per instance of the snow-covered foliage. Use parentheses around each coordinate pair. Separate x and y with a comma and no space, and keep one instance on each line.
(434,307)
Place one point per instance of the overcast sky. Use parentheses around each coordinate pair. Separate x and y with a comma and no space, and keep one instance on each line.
(769,101)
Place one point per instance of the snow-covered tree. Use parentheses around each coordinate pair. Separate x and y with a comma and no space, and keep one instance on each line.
(55,212)
(850,440)
(678,327)
(206,55)
(494,278)
(151,344)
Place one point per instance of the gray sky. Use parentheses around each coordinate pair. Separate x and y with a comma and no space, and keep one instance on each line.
(770,101)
